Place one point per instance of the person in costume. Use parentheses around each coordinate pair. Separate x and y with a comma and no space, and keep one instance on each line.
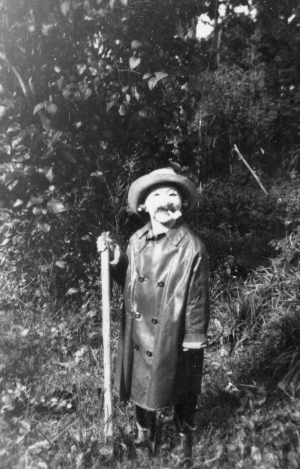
(166,307)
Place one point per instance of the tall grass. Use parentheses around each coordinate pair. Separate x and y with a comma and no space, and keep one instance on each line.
(52,374)
(261,314)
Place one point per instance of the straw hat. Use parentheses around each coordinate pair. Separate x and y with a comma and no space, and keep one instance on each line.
(139,188)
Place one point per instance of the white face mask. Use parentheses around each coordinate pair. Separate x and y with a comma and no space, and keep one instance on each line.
(162,203)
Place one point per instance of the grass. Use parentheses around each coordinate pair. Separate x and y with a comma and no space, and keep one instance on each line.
(249,410)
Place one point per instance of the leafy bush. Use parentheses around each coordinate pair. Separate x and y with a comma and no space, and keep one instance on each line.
(288,247)
(237,222)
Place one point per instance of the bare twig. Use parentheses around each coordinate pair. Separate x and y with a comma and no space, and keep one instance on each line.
(46,438)
(65,430)
(248,385)
(15,71)
(250,169)
(61,364)
(94,356)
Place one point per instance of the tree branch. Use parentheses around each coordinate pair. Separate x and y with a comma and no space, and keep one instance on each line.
(250,169)
(15,71)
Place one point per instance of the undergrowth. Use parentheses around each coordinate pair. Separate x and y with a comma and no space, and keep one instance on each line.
(248,414)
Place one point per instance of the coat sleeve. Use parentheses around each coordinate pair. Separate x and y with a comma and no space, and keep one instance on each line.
(197,306)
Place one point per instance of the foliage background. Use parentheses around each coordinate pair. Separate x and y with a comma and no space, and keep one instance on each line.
(92,95)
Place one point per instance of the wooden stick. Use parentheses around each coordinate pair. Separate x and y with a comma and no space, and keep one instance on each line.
(108,424)
(250,169)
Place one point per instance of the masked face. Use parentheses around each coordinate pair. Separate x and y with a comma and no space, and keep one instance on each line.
(162,202)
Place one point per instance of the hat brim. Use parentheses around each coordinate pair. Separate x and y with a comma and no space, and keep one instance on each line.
(141,187)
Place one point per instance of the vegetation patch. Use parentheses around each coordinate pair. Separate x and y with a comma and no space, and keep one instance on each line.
(248,414)
(93,94)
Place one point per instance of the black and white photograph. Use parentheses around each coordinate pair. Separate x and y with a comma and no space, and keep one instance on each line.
(150,234)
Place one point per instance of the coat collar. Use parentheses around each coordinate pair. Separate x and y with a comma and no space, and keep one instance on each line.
(175,235)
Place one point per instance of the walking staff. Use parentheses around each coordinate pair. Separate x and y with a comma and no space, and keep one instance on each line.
(105,283)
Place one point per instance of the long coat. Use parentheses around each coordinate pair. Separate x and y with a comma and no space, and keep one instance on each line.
(166,308)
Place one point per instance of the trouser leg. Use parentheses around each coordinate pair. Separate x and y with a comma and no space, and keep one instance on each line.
(146,427)
(184,412)
(186,403)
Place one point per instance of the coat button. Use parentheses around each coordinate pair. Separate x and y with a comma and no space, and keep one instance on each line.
(154,321)
(141,279)
(149,354)
(136,347)
(161,284)
(137,315)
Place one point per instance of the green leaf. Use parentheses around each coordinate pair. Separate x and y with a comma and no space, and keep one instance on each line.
(48,171)
(48,154)
(51,108)
(87,93)
(175,165)
(178,139)
(56,136)
(61,264)
(122,110)
(99,175)
(9,102)
(81,68)
(55,206)
(282,386)
(93,71)
(60,83)
(65,7)
(6,148)
(220,451)
(37,210)
(134,62)
(256,454)
(154,80)
(160,75)
(45,227)
(92,313)
(66,92)
(109,106)
(136,44)
(38,107)
(35,201)
(9,178)
(261,396)
(71,291)
(68,156)
(13,128)
(152,83)
(144,113)
(75,4)
(18,202)
(3,110)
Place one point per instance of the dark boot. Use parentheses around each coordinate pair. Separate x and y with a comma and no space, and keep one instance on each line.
(183,448)
(143,435)
(146,429)
(184,412)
